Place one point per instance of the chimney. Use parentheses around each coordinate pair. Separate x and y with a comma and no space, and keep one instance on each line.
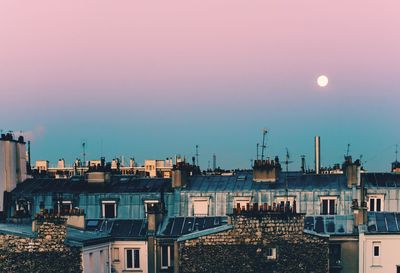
(317,154)
(155,213)
(303,163)
(266,170)
(179,175)
(352,170)
(359,208)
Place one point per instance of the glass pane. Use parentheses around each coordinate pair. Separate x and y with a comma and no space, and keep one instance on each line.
(376,251)
(109,211)
(171,256)
(129,263)
(164,256)
(378,204)
(324,206)
(331,206)
(137,263)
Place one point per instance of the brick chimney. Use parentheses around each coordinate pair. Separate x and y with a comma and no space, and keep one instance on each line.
(180,175)
(155,213)
(352,170)
(266,170)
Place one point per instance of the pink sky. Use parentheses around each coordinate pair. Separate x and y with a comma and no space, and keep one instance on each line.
(142,55)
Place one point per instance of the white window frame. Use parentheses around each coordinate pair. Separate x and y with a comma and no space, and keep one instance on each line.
(200,199)
(146,202)
(335,198)
(376,260)
(133,259)
(103,207)
(375,197)
(272,255)
(168,255)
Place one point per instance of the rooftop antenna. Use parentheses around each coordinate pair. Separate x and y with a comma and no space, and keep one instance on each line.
(84,152)
(348,149)
(396,152)
(265,131)
(287,162)
(258,145)
(197,155)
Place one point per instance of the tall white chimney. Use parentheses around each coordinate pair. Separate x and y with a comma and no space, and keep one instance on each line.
(317,154)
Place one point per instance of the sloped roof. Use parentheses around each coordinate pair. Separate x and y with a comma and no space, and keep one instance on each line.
(330,224)
(178,226)
(118,228)
(384,222)
(244,182)
(118,184)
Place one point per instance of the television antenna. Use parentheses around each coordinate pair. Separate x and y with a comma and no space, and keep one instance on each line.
(265,131)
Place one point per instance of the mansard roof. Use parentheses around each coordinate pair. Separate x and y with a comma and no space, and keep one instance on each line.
(118,184)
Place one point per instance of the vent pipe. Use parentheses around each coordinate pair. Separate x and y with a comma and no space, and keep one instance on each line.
(317,154)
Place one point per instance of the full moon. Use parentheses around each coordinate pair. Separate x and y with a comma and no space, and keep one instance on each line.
(322,81)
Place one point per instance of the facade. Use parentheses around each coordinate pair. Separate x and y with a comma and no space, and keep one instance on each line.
(379,240)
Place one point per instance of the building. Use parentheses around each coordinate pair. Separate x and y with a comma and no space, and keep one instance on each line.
(267,241)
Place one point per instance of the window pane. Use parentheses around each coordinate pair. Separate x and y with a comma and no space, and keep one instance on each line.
(171,256)
(109,210)
(324,206)
(137,263)
(129,257)
(378,204)
(376,251)
(372,204)
(164,256)
(331,206)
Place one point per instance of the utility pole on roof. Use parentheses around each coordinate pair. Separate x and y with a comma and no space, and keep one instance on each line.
(265,131)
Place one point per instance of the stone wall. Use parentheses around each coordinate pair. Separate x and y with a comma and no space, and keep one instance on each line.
(244,248)
(45,252)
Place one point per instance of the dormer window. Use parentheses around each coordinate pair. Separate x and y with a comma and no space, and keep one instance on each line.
(109,209)
(376,202)
(328,205)
(147,203)
(200,206)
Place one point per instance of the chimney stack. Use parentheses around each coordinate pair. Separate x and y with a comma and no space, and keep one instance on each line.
(179,175)
(266,170)
(317,154)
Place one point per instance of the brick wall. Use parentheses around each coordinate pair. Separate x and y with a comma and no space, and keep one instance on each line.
(245,247)
(44,253)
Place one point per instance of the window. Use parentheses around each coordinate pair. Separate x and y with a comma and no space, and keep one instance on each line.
(200,207)
(281,201)
(66,207)
(376,253)
(241,202)
(375,202)
(115,254)
(271,253)
(147,203)
(109,209)
(328,205)
(132,258)
(398,269)
(167,257)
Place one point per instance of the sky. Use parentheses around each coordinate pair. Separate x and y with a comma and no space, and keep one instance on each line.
(148,79)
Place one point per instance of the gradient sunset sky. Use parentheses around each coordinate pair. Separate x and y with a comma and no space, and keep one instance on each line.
(152,79)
